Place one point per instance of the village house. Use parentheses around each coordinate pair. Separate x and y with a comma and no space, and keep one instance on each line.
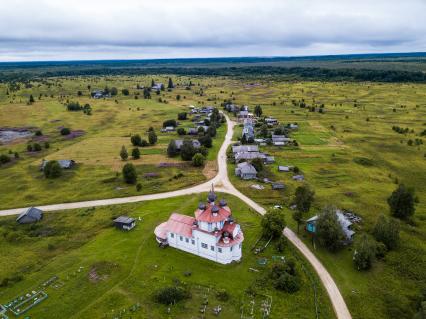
(248,131)
(280,140)
(125,223)
(270,121)
(157,87)
(247,156)
(284,168)
(65,164)
(30,215)
(298,177)
(243,115)
(168,129)
(231,108)
(269,159)
(277,186)
(193,131)
(244,148)
(99,94)
(245,171)
(211,234)
(345,224)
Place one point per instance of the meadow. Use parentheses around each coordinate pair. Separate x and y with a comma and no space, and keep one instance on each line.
(96,152)
(353,160)
(107,273)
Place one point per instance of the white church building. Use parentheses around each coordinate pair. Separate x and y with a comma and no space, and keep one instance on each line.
(211,234)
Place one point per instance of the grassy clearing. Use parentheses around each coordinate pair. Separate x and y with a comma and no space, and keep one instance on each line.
(104,270)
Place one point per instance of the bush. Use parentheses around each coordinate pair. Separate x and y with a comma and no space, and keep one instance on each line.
(123,153)
(138,187)
(38,133)
(129,173)
(206,141)
(136,140)
(281,244)
(4,159)
(136,154)
(52,169)
(169,123)
(152,137)
(65,131)
(287,283)
(386,231)
(181,131)
(171,295)
(36,147)
(144,143)
(182,116)
(258,164)
(29,148)
(46,145)
(401,202)
(113,91)
(125,92)
(365,251)
(171,149)
(187,150)
(74,106)
(222,295)
(198,160)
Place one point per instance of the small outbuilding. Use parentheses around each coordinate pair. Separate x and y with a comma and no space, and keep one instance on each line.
(277,186)
(30,215)
(125,223)
(298,177)
(283,168)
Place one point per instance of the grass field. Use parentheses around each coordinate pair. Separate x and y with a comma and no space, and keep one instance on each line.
(98,171)
(102,270)
(353,159)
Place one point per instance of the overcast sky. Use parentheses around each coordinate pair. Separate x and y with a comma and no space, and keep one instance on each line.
(130,29)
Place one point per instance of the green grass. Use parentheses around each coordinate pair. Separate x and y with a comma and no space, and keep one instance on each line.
(71,244)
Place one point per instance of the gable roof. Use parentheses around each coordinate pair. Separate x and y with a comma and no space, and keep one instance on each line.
(31,212)
(124,220)
(245,148)
(247,168)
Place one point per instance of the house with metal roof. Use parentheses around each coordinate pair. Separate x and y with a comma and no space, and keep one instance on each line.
(179,143)
(277,186)
(30,215)
(244,148)
(125,223)
(245,171)
(212,233)
(345,224)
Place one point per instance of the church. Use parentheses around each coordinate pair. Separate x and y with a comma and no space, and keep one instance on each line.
(211,234)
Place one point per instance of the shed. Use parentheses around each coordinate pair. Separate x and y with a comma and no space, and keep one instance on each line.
(298,177)
(124,223)
(269,160)
(30,215)
(277,186)
(283,168)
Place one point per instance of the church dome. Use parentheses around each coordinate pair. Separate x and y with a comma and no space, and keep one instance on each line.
(223,203)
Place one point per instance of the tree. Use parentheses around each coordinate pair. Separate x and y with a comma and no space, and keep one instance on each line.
(187,150)
(152,137)
(258,164)
(328,229)
(211,131)
(273,224)
(206,141)
(169,123)
(264,130)
(365,250)
(287,283)
(401,202)
(182,116)
(386,231)
(178,97)
(129,173)
(152,82)
(171,295)
(172,149)
(79,93)
(258,111)
(31,101)
(36,147)
(170,84)
(4,159)
(65,131)
(125,92)
(146,93)
(304,197)
(123,153)
(136,154)
(113,91)
(298,217)
(198,160)
(136,140)
(181,131)
(52,169)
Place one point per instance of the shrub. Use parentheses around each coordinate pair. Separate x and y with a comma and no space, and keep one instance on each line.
(65,131)
(386,231)
(222,295)
(46,145)
(170,123)
(74,106)
(138,187)
(52,169)
(182,116)
(36,147)
(365,251)
(113,91)
(181,131)
(198,160)
(171,295)
(4,159)
(258,164)
(206,141)
(123,153)
(281,244)
(125,92)
(401,202)
(187,150)
(38,133)
(136,154)
(172,149)
(211,131)
(29,148)
(152,137)
(129,173)
(287,283)
(136,140)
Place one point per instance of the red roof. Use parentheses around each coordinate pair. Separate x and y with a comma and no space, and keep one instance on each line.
(178,224)
(236,240)
(229,228)
(207,216)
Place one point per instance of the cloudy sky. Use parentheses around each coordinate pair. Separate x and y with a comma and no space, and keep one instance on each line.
(129,29)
